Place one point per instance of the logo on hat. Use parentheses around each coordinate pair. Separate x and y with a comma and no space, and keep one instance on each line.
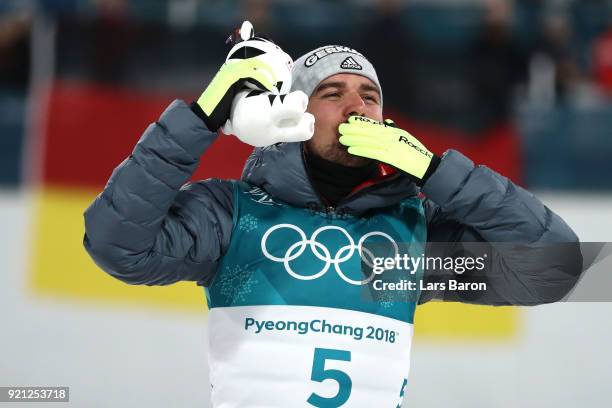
(325,51)
(350,63)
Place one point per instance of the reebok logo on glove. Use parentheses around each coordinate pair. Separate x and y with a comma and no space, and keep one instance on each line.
(366,120)
(409,143)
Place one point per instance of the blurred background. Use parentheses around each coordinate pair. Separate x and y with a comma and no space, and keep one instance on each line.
(523,86)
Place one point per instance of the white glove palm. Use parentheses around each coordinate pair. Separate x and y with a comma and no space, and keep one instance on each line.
(265,118)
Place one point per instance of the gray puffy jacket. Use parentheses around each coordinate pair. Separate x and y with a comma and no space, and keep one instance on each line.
(149,227)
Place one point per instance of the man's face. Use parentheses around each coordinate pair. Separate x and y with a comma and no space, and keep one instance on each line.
(332,102)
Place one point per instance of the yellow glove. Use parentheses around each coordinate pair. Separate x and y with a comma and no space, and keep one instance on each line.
(385,142)
(214,105)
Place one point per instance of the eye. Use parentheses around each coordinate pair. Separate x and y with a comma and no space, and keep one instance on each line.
(370,98)
(332,95)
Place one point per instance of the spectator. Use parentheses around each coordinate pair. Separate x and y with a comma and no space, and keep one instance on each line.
(383,38)
(555,50)
(602,61)
(258,13)
(15,50)
(112,40)
(499,65)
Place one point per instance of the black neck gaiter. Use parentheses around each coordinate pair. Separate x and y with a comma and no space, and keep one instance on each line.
(333,181)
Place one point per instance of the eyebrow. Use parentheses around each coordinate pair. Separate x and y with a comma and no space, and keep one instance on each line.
(328,85)
(342,85)
(368,88)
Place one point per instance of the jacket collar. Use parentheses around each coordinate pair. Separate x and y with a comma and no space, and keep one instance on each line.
(280,171)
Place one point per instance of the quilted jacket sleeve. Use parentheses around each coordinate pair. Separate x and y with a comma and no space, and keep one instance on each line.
(537,255)
(148,226)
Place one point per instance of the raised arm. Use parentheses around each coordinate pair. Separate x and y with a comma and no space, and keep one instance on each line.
(468,203)
(536,255)
(146,227)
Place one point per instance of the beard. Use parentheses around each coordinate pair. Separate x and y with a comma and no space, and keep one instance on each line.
(337,153)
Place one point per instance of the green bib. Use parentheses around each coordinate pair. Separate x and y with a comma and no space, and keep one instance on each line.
(284,255)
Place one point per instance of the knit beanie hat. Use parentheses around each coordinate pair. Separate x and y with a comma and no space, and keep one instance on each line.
(315,66)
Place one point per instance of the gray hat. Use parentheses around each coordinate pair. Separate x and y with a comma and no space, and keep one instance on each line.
(315,66)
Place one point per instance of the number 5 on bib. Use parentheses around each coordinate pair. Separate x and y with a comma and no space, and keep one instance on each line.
(320,374)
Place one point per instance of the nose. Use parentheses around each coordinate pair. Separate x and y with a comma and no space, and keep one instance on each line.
(354,105)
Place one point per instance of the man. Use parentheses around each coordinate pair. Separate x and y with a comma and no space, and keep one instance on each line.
(278,252)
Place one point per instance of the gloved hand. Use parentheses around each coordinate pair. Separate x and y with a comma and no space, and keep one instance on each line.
(264,118)
(214,105)
(385,142)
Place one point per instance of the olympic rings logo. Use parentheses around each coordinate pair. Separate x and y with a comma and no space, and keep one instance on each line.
(321,252)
